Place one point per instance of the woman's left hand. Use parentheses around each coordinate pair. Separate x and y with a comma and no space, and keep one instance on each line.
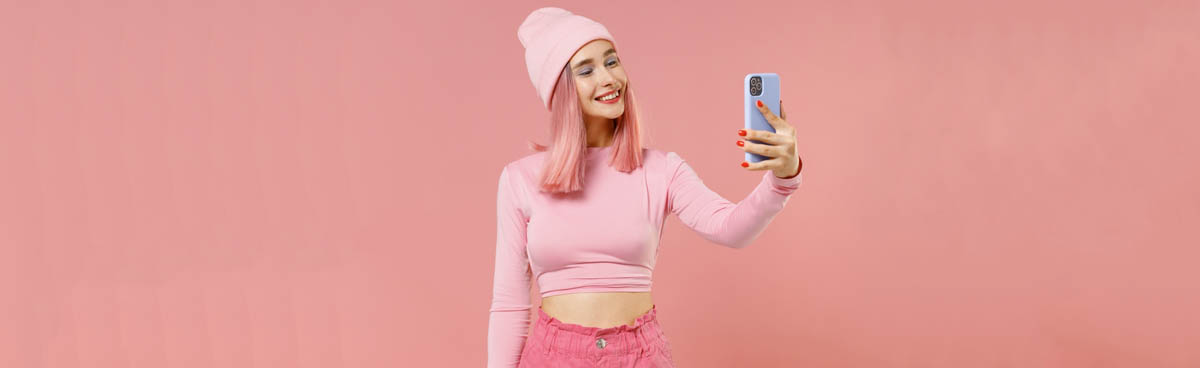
(781,145)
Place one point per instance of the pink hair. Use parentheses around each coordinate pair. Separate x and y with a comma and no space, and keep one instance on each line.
(564,165)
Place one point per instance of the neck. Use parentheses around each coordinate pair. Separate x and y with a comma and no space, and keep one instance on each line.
(600,131)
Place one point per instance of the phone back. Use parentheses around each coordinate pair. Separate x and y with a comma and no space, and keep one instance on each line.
(769,95)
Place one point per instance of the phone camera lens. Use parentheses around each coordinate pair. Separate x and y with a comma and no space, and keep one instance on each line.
(755,86)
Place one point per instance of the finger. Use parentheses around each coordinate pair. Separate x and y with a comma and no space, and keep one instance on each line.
(763,149)
(782,114)
(763,165)
(766,137)
(763,136)
(775,121)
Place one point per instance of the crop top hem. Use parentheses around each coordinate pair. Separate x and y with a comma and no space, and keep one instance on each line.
(597,289)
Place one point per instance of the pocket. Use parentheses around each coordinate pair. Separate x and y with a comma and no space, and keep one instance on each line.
(529,348)
(666,349)
(526,358)
(664,346)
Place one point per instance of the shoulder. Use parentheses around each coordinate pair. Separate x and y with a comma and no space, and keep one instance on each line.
(524,169)
(662,158)
(527,163)
(655,153)
(660,161)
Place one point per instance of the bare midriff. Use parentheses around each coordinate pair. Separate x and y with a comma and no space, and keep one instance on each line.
(598,309)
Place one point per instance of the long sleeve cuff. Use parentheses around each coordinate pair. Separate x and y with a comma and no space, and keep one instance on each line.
(783,186)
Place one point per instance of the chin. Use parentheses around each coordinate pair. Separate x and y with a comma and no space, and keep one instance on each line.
(613,113)
(607,114)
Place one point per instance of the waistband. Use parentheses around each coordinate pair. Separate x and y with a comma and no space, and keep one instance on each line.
(554,335)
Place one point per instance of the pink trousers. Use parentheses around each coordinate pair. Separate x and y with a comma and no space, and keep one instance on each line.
(554,343)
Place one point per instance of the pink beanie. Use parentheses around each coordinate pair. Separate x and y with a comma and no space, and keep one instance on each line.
(551,36)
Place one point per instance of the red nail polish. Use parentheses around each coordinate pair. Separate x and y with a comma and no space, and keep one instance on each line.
(759,103)
(744,164)
(742,132)
(740,144)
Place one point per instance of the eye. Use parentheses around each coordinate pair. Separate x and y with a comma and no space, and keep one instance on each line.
(610,62)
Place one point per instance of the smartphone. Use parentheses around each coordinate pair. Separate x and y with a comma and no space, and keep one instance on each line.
(760,87)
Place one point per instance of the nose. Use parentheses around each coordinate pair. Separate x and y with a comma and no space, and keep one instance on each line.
(607,79)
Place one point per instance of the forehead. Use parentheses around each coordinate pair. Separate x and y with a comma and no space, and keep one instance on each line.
(593,49)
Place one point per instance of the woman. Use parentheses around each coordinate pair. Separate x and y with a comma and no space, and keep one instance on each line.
(593,247)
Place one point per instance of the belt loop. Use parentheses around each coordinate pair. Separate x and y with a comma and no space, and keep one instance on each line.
(548,338)
(635,341)
(654,336)
(641,340)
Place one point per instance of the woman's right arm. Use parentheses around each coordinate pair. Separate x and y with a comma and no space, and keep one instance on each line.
(508,323)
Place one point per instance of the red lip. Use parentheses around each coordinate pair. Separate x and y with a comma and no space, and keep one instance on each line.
(612,101)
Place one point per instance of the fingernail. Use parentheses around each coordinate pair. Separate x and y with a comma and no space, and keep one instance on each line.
(742,132)
(740,144)
(744,164)
(759,103)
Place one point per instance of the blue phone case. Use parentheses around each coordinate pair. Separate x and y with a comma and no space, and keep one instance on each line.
(754,118)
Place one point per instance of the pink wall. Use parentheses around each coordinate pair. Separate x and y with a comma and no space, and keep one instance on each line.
(312,184)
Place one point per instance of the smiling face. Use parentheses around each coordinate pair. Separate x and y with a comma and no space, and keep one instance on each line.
(598,73)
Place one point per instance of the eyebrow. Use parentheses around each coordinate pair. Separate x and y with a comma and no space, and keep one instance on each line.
(588,60)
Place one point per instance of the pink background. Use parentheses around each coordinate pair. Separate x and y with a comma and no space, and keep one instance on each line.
(312,184)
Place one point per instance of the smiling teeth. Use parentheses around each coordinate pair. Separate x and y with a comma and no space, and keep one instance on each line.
(612,96)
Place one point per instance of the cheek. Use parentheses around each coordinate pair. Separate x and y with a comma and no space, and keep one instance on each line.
(619,75)
(584,92)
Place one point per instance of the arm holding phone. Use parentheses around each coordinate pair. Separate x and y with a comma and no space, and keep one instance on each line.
(769,142)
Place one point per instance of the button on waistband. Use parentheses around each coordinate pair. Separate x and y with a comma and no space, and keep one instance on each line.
(600,343)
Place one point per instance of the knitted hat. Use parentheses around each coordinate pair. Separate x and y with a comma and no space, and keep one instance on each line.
(551,36)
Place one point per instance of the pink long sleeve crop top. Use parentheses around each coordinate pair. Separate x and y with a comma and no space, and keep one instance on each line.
(605,237)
